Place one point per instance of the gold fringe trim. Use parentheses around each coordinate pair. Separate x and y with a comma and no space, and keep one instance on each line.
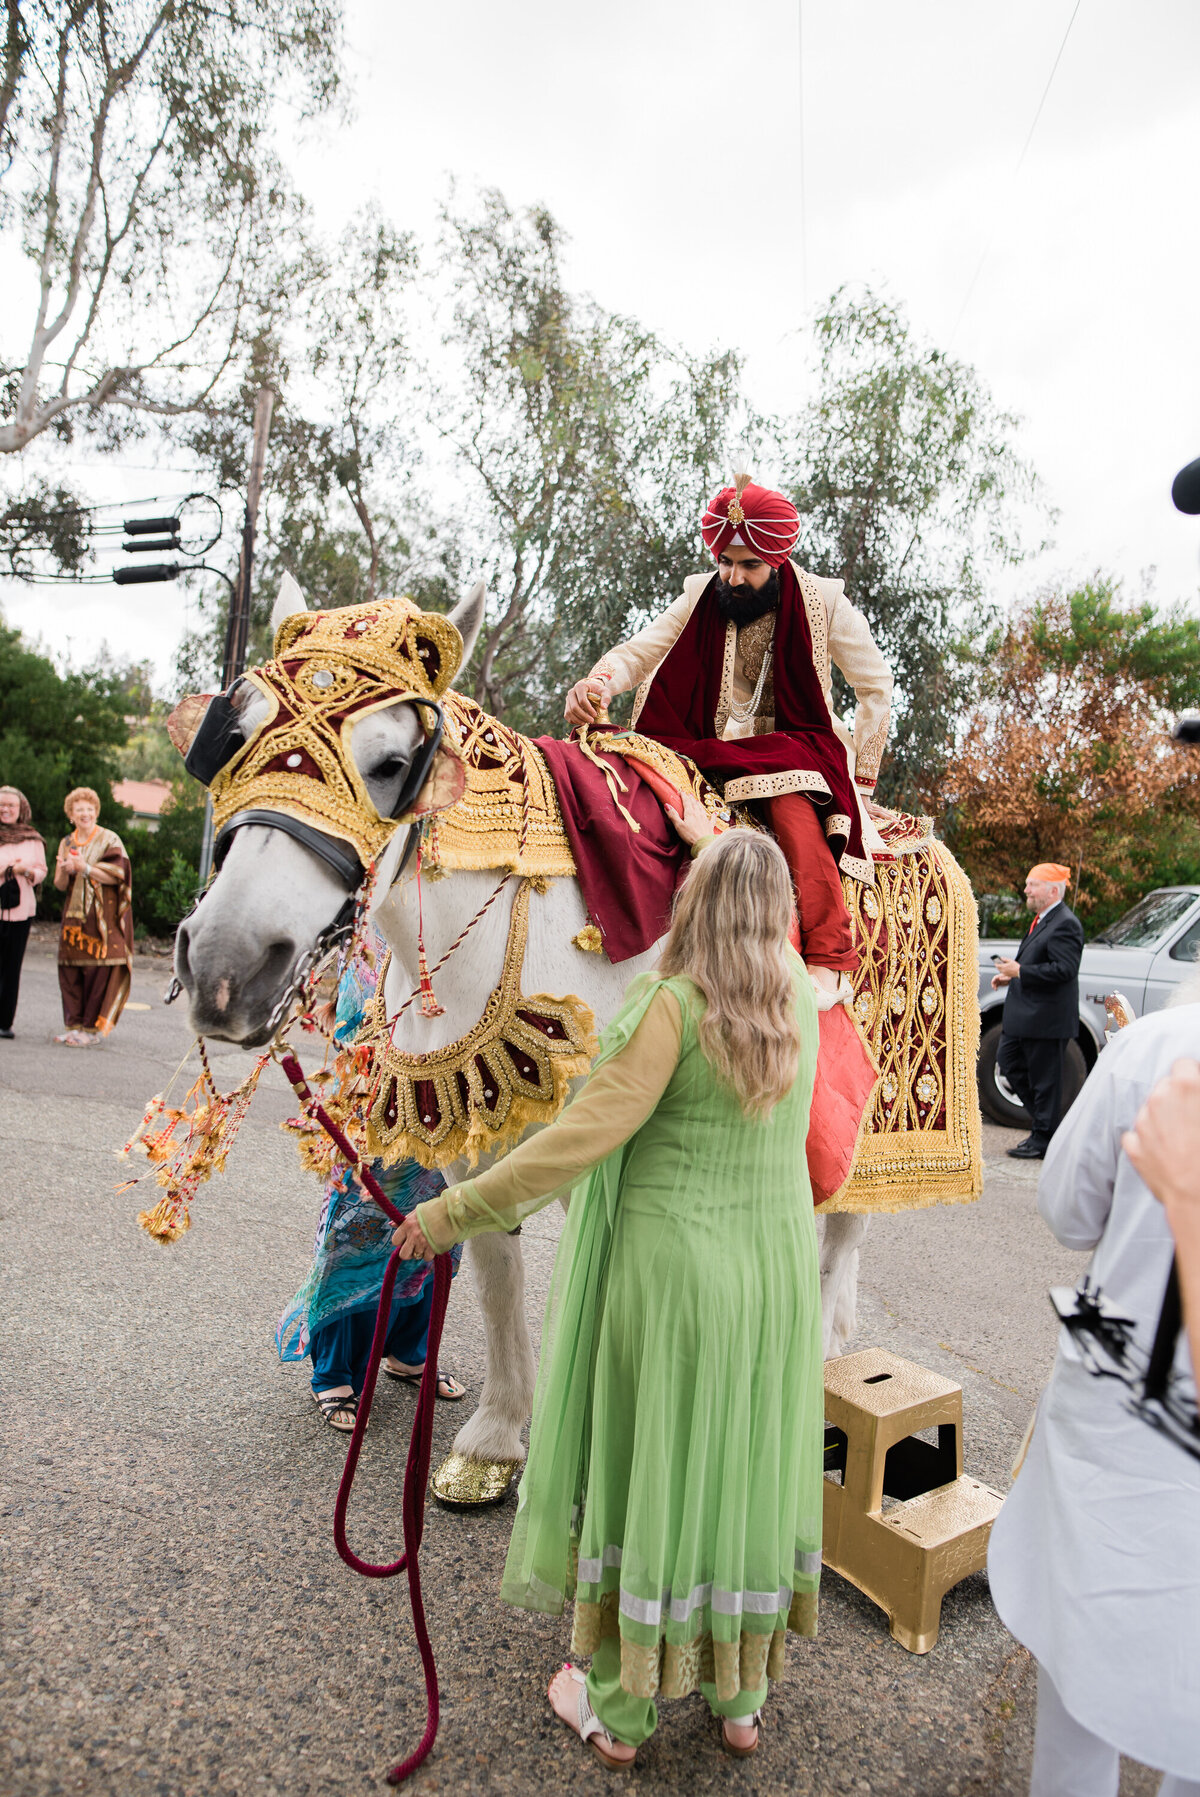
(508,816)
(332,668)
(73,937)
(480,1094)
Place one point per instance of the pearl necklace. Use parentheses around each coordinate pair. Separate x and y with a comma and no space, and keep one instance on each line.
(742,710)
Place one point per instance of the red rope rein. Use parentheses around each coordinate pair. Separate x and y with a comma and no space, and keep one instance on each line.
(416,1471)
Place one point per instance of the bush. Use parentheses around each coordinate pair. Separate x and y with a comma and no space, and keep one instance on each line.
(166,862)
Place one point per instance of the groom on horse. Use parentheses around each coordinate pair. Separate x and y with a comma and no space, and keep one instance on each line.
(736,674)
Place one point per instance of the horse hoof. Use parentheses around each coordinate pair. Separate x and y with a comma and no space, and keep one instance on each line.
(463,1483)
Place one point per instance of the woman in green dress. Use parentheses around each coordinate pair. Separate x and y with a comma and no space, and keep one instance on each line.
(674,1480)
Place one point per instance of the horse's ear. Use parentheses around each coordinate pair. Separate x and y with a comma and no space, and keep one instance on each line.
(288,602)
(467,618)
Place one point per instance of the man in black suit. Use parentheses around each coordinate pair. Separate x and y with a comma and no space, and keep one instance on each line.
(1041,1007)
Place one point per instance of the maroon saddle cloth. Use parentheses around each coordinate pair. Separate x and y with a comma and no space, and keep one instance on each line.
(628,879)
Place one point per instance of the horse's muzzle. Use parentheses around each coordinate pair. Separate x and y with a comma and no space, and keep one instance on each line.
(234,1001)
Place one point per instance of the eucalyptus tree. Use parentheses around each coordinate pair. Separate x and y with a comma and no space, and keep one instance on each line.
(140,190)
(584,448)
(340,514)
(911,490)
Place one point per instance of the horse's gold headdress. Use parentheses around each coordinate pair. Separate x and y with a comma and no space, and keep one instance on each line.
(330,669)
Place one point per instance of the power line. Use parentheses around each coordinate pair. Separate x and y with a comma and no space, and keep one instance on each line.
(990,245)
(110,505)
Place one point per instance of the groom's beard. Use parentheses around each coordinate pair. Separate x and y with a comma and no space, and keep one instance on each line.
(742,604)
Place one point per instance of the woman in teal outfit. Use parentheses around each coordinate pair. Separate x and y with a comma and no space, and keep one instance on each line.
(675,1462)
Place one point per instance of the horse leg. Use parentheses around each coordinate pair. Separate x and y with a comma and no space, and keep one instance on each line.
(494,1431)
(839,1237)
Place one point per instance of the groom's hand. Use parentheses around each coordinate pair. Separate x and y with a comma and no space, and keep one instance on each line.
(586,699)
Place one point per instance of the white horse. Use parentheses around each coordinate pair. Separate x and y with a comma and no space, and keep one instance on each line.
(268,906)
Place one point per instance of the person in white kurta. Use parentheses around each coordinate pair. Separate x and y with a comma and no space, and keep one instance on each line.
(1094,1561)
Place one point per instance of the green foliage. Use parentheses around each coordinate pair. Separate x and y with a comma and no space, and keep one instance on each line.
(1121,649)
(150,754)
(1065,755)
(587,448)
(584,450)
(141,184)
(58,731)
(45,518)
(339,513)
(907,479)
(166,861)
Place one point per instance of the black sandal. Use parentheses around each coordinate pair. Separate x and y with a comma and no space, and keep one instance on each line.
(335,1406)
(443,1378)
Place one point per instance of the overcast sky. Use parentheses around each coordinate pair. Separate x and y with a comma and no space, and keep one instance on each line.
(720,169)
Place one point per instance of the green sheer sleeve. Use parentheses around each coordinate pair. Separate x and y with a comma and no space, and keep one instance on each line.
(611,1107)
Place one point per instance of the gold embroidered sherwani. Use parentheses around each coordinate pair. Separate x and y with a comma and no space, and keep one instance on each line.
(841,637)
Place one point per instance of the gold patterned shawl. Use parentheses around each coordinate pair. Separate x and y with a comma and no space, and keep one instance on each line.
(93,914)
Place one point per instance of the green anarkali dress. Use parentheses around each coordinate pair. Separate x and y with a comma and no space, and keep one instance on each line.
(674,1478)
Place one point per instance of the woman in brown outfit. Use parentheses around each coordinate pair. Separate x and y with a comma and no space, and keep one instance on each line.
(95,949)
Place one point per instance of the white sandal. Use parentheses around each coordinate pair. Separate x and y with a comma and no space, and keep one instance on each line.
(588,1726)
(742,1753)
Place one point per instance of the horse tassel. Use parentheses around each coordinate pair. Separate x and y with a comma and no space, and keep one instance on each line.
(429,1004)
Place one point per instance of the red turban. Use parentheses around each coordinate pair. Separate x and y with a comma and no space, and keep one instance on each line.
(751,517)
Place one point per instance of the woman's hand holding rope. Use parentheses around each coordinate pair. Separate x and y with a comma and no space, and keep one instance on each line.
(411,1241)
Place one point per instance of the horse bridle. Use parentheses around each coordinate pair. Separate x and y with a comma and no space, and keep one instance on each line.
(210,751)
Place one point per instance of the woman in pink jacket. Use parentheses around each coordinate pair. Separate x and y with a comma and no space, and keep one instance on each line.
(22,868)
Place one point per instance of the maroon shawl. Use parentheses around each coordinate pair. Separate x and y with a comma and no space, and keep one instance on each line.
(681,710)
(628,881)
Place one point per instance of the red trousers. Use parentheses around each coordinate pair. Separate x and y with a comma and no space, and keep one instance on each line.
(826,938)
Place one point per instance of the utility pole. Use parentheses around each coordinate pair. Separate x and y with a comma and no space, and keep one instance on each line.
(237,634)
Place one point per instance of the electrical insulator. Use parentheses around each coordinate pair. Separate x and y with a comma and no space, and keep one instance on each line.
(127,577)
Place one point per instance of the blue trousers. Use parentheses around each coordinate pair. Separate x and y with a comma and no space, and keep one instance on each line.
(340,1350)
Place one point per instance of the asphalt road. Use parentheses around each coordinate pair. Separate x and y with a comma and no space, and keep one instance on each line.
(175,1618)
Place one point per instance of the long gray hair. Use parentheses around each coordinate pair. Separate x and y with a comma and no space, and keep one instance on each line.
(729,936)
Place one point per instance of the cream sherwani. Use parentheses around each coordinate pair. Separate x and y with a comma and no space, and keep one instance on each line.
(841,638)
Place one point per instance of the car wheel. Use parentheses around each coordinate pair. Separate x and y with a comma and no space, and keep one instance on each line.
(999,1102)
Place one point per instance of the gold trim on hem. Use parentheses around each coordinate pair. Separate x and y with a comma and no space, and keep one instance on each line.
(508,816)
(916,1001)
(670,1669)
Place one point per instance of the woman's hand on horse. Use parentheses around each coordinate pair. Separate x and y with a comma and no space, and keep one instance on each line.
(695,821)
(586,700)
(411,1241)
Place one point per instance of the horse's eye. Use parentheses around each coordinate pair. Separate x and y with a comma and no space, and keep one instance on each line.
(390,769)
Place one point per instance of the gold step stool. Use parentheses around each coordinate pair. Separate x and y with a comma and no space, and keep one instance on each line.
(904,1558)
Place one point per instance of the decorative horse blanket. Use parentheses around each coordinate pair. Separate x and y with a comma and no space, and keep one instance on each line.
(915,989)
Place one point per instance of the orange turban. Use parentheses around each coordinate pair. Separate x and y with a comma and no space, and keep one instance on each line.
(1050,870)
